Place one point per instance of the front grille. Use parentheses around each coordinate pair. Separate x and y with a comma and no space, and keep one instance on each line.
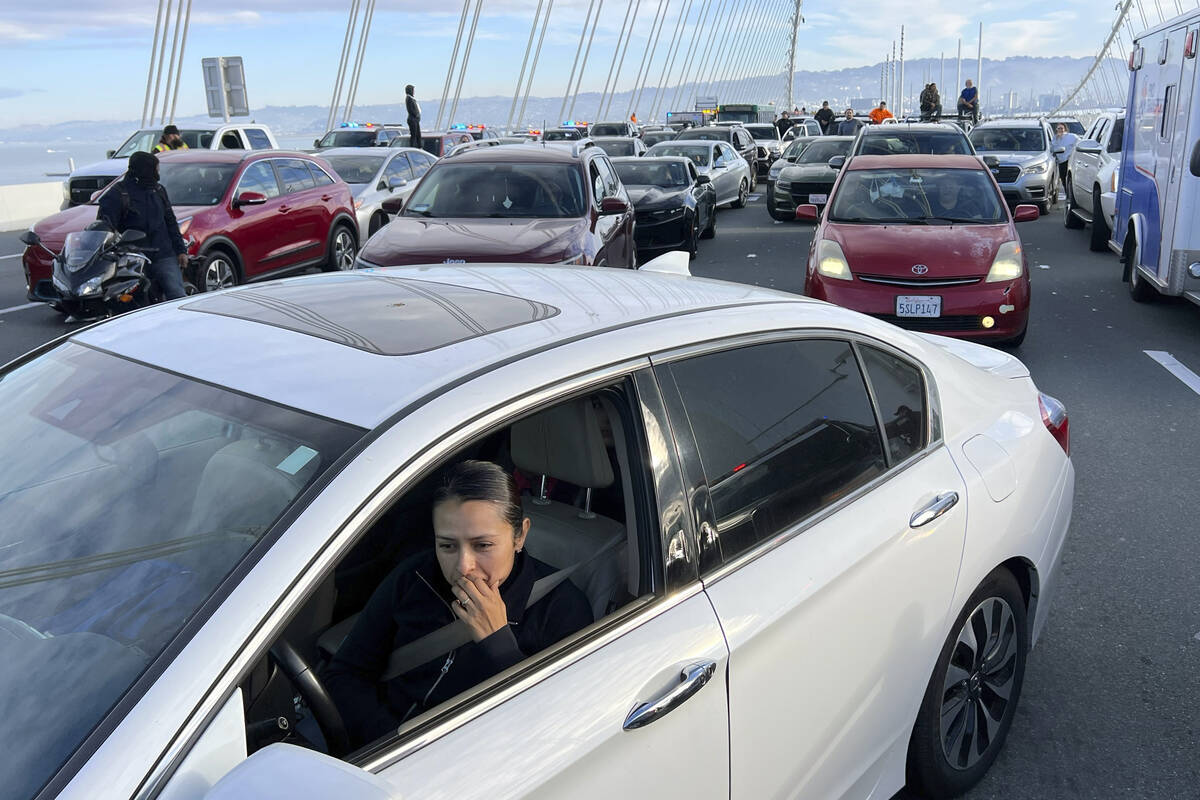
(82,189)
(1007,174)
(888,280)
(953,323)
(801,190)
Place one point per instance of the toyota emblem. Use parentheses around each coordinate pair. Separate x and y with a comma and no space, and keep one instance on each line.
(920,269)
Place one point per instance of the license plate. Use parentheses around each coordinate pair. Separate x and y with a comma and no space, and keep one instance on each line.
(818,199)
(908,305)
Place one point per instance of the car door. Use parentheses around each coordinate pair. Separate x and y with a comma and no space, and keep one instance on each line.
(724,177)
(255,230)
(302,216)
(834,599)
(1085,165)
(705,203)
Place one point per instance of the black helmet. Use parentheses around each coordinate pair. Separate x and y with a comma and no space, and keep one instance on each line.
(144,167)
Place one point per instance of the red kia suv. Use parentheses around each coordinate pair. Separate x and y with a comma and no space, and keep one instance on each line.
(245,216)
(925,242)
(527,203)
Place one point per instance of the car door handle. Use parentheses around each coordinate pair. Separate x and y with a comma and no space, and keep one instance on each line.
(934,509)
(691,679)
(327,197)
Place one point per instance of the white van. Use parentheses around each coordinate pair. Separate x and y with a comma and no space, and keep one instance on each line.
(1159,185)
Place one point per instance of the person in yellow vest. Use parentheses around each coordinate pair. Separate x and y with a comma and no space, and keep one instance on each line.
(170,140)
(878,115)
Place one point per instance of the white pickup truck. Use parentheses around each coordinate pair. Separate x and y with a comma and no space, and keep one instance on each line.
(85,181)
(1093,172)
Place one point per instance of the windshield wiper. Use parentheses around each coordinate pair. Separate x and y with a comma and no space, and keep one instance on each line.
(414,212)
(953,220)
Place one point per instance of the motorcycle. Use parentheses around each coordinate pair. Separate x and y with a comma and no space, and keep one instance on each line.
(98,274)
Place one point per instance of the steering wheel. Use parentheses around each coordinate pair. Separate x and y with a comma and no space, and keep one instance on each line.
(309,685)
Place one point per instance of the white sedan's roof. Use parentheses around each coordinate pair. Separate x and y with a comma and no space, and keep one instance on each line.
(359,346)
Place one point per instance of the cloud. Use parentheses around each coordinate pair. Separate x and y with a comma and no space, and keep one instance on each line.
(8,94)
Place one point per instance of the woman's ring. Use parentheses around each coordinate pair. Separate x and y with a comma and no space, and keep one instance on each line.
(462,603)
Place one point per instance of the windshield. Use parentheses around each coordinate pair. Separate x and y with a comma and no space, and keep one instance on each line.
(617,147)
(127,495)
(699,154)
(358,138)
(917,196)
(1014,140)
(1073,126)
(80,246)
(608,129)
(713,134)
(562,136)
(796,147)
(356,169)
(763,131)
(144,141)
(190,184)
(654,137)
(819,152)
(499,190)
(905,143)
(653,173)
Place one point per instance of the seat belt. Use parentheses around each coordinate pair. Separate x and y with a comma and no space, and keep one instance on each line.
(456,634)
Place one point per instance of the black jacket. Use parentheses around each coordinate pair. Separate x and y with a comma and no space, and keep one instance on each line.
(824,116)
(413,109)
(415,600)
(782,124)
(132,206)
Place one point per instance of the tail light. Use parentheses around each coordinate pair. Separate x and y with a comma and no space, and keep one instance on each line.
(1054,416)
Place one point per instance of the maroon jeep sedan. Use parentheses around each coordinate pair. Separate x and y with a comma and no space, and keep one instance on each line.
(525,203)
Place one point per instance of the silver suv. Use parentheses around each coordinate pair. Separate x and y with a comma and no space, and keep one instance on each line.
(1018,152)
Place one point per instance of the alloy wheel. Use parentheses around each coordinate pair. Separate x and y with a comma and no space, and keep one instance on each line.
(343,250)
(219,274)
(979,683)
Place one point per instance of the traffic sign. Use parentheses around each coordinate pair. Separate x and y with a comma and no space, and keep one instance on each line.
(225,87)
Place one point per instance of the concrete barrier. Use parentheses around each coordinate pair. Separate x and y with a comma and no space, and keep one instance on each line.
(23,204)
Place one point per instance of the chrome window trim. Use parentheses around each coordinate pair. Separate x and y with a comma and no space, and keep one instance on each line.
(933,432)
(338,544)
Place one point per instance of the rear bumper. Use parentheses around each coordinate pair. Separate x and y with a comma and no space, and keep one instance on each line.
(1051,558)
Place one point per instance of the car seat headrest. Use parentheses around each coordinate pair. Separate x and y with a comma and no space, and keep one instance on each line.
(563,442)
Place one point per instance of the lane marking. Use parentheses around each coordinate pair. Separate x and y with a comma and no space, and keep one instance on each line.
(14,255)
(1172,365)
(35,305)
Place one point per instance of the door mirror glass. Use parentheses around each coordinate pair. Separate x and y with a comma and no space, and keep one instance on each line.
(284,770)
(31,239)
(249,199)
(1025,213)
(702,180)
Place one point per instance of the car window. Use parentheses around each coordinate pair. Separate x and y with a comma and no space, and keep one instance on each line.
(358,168)
(1101,131)
(1008,139)
(260,178)
(293,175)
(231,141)
(258,138)
(142,141)
(420,164)
(899,391)
(1117,137)
(787,429)
(397,168)
(190,183)
(942,196)
(612,184)
(597,181)
(501,190)
(320,176)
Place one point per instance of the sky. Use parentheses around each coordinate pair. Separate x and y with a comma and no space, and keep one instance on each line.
(89,59)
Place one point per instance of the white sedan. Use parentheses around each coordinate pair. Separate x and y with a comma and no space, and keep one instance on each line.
(376,175)
(813,550)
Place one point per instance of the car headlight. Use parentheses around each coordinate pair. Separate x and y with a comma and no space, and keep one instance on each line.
(774,173)
(1035,169)
(831,262)
(91,286)
(783,186)
(1006,266)
(579,259)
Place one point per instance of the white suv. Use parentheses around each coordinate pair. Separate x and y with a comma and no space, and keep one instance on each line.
(1092,175)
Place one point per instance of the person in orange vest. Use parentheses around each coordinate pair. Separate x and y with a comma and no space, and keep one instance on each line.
(879,114)
(633,118)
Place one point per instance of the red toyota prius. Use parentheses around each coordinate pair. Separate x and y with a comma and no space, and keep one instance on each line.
(925,242)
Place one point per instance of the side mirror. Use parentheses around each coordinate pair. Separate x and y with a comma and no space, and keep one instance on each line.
(130,236)
(249,199)
(30,238)
(396,182)
(702,180)
(837,162)
(109,153)
(807,212)
(285,770)
(1194,166)
(1058,151)
(1086,146)
(392,205)
(991,162)
(613,205)
(1025,213)
(317,143)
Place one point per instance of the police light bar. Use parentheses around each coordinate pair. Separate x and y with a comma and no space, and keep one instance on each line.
(458,126)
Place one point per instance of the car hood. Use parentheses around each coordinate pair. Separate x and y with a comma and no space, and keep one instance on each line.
(647,197)
(949,251)
(808,173)
(1014,157)
(108,167)
(53,229)
(413,240)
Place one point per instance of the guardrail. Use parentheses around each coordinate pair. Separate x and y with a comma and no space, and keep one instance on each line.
(23,204)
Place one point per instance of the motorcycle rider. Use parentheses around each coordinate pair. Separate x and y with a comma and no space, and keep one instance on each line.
(139,202)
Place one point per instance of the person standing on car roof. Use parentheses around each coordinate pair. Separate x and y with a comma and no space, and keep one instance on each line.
(848,125)
(170,140)
(139,202)
(783,123)
(878,115)
(824,116)
(414,116)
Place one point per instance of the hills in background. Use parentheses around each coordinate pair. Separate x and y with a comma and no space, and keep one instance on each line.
(1016,83)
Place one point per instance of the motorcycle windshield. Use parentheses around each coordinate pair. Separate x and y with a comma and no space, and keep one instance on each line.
(81,246)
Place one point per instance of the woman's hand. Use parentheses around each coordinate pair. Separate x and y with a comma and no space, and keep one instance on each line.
(478,603)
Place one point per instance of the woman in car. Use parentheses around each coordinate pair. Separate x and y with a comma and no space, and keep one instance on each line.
(478,577)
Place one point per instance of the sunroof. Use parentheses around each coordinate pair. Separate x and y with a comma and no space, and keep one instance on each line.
(381,314)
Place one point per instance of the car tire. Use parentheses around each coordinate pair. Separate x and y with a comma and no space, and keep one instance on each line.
(343,247)
(1100,231)
(953,744)
(740,202)
(1069,219)
(1043,207)
(711,231)
(217,271)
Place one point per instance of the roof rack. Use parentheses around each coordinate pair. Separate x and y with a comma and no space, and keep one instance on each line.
(581,145)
